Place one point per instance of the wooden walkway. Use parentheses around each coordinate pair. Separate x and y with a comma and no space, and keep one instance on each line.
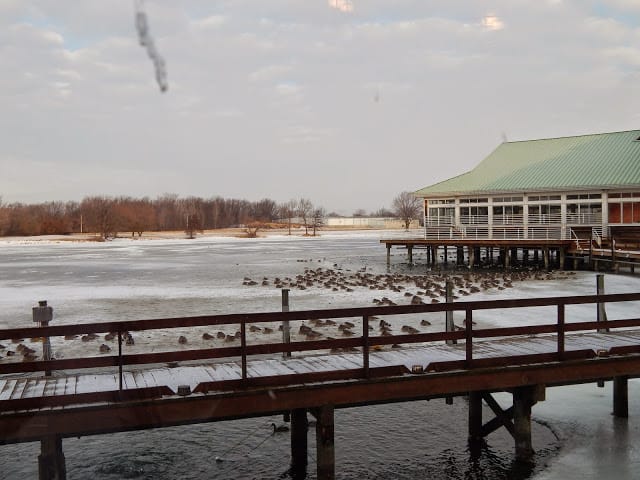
(20,388)
(113,393)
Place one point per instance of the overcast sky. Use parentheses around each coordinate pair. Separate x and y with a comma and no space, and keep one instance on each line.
(345,102)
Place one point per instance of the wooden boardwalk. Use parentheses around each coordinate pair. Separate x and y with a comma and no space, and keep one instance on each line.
(96,395)
(33,387)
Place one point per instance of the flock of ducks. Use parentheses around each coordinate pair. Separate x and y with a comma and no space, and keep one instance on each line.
(416,289)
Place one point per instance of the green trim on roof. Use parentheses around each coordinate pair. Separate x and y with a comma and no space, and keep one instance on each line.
(603,160)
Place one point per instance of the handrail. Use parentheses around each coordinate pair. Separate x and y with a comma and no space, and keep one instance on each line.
(365,341)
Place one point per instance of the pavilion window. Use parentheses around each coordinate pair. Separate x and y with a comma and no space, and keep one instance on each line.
(544,213)
(584,213)
(507,214)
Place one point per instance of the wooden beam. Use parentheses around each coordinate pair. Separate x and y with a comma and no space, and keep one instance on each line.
(503,418)
(269,400)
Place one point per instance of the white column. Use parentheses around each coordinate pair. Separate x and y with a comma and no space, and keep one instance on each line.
(490,218)
(605,211)
(525,215)
(563,215)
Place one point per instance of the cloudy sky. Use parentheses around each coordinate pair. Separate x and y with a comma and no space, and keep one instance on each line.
(346,102)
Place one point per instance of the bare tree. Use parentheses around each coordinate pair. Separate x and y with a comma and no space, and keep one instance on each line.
(100,215)
(383,212)
(305,211)
(251,229)
(193,225)
(4,217)
(288,211)
(361,212)
(407,207)
(317,219)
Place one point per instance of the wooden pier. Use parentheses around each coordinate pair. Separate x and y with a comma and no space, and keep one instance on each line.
(483,251)
(550,253)
(126,391)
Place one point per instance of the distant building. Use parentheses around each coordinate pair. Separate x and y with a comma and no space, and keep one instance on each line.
(559,188)
(368,222)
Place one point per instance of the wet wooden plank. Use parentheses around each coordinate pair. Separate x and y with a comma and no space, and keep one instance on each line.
(7,387)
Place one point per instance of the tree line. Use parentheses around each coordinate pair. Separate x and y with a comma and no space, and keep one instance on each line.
(110,216)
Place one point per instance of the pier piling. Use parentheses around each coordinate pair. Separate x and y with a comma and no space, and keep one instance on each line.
(325,448)
(299,426)
(523,400)
(51,462)
(620,397)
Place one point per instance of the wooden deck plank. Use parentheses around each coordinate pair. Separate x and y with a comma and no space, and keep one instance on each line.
(18,389)
(7,387)
(227,371)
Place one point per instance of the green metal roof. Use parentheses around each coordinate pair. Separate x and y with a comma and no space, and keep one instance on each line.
(603,160)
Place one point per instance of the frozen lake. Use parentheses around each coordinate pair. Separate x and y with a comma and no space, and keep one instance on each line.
(575,435)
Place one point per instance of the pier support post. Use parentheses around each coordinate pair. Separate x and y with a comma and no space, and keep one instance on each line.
(545,255)
(446,255)
(325,449)
(460,256)
(51,463)
(507,257)
(523,400)
(388,254)
(475,420)
(562,258)
(410,253)
(472,257)
(620,397)
(299,426)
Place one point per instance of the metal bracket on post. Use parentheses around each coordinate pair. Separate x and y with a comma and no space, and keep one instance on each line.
(42,315)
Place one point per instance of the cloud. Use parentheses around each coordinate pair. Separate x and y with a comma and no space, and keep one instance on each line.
(303,134)
(210,22)
(342,5)
(294,84)
(269,73)
(492,22)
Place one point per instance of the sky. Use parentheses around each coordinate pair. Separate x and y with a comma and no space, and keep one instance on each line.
(344,102)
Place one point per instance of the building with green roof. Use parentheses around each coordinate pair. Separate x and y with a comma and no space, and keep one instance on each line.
(556,188)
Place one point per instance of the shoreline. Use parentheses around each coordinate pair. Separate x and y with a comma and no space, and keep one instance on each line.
(238,232)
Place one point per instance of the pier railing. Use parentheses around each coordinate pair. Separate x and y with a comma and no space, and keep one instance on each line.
(365,341)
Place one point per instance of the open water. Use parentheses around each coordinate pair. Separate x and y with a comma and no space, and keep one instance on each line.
(574,434)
